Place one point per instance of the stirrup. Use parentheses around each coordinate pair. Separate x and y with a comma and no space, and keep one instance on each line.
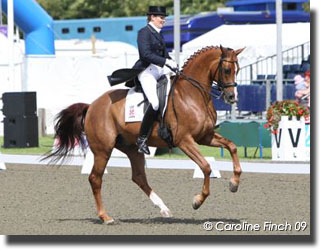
(142,146)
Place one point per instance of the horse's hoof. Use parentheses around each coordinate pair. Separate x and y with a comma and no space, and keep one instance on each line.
(233,187)
(196,203)
(108,222)
(166,213)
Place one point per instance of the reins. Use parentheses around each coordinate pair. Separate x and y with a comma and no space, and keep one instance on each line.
(198,85)
(220,86)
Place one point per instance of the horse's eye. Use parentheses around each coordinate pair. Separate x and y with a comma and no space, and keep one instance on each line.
(227,71)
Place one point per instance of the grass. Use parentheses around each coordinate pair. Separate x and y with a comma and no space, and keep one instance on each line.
(45,145)
(216,153)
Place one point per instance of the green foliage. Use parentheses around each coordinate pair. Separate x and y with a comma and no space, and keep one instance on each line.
(196,6)
(284,108)
(306,6)
(75,9)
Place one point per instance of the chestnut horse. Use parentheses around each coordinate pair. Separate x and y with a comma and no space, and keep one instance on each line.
(190,116)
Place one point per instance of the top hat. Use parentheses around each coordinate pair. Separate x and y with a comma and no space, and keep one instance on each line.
(157,10)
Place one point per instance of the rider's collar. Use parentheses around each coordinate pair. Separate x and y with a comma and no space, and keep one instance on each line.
(153,26)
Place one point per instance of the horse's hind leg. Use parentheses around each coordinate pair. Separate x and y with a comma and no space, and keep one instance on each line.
(216,140)
(137,161)
(190,147)
(95,179)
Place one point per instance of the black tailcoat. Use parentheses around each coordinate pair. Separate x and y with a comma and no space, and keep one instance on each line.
(152,50)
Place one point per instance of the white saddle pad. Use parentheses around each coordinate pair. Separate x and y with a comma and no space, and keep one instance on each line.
(133,112)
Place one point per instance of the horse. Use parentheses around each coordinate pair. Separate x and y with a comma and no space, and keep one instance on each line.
(190,116)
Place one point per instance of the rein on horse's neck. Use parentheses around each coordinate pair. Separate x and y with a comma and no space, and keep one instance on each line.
(191,70)
(197,70)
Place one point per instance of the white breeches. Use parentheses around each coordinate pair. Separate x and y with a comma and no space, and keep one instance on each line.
(148,79)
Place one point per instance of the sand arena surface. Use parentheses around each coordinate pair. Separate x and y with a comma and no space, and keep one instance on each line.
(44,200)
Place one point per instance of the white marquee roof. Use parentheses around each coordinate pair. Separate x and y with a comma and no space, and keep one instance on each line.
(259,39)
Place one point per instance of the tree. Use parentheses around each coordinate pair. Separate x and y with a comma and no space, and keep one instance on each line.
(56,8)
(306,6)
(75,9)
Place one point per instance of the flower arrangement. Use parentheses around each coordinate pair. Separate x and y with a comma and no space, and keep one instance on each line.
(284,108)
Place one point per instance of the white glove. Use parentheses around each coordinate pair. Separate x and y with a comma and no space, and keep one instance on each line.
(172,64)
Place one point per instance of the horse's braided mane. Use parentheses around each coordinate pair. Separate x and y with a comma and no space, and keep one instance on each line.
(199,52)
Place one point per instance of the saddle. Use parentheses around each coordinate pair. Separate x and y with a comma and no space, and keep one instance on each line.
(130,77)
(163,92)
(162,85)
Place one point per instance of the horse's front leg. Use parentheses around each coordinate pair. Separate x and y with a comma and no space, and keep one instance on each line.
(216,140)
(190,148)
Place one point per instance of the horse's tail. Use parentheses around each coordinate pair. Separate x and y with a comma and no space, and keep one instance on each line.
(69,131)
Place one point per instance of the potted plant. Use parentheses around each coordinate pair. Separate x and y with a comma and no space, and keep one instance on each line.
(286,121)
(288,108)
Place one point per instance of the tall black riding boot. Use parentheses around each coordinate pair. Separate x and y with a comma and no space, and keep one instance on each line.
(145,130)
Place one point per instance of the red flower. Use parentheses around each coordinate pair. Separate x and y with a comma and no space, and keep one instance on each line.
(274,132)
(283,108)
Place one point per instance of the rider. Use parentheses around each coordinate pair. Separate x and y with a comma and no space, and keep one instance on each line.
(153,57)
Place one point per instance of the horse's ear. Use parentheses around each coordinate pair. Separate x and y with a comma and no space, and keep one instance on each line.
(238,51)
(223,51)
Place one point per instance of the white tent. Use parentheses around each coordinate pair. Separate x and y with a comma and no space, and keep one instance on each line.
(74,74)
(79,47)
(18,50)
(259,39)
(4,63)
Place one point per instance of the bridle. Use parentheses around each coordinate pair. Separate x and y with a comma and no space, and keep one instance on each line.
(220,85)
